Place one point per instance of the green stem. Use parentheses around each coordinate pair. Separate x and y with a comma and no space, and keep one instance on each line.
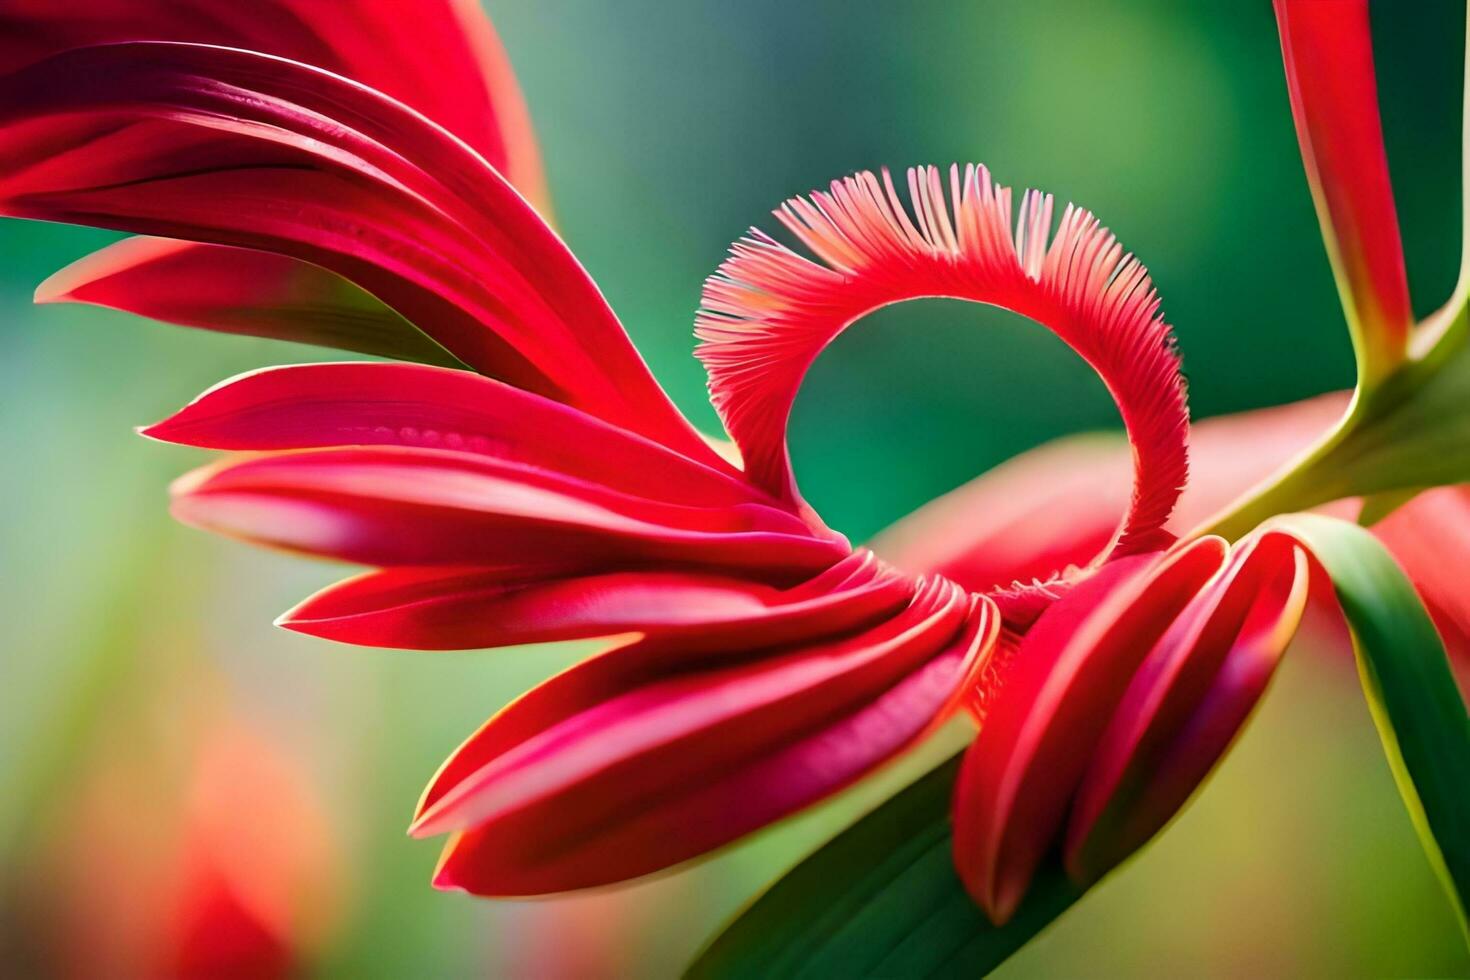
(1300,484)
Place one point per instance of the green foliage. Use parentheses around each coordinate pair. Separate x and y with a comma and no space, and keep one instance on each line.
(1411,690)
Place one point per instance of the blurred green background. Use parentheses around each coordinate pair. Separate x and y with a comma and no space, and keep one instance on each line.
(667,129)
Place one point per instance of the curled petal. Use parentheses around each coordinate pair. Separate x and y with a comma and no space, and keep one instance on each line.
(769,311)
(236,148)
(1058,695)
(1328,50)
(1187,702)
(396,506)
(642,758)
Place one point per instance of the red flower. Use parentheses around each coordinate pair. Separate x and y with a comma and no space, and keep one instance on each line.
(555,494)
(552,491)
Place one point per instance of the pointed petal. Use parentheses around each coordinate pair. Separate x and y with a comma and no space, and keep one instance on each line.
(396,506)
(1186,703)
(240,149)
(240,291)
(456,609)
(443,59)
(1328,50)
(854,594)
(680,763)
(1059,693)
(322,405)
(769,311)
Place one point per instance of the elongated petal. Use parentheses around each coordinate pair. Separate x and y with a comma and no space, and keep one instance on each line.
(457,609)
(659,768)
(1058,696)
(1186,703)
(401,506)
(769,311)
(442,57)
(1328,50)
(240,291)
(853,594)
(322,405)
(241,149)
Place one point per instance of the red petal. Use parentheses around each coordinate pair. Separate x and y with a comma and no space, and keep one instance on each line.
(853,594)
(769,312)
(443,58)
(240,291)
(1328,50)
(430,507)
(655,768)
(1066,676)
(1024,521)
(241,149)
(323,405)
(1055,506)
(444,61)
(1187,702)
(449,609)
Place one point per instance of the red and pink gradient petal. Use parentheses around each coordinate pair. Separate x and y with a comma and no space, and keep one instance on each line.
(644,757)
(236,148)
(312,406)
(447,63)
(399,506)
(1002,527)
(438,609)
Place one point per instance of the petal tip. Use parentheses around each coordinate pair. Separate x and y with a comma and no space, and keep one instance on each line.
(55,288)
(156,431)
(288,621)
(444,881)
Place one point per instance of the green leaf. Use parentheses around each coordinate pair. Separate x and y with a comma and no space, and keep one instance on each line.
(881,899)
(1411,690)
